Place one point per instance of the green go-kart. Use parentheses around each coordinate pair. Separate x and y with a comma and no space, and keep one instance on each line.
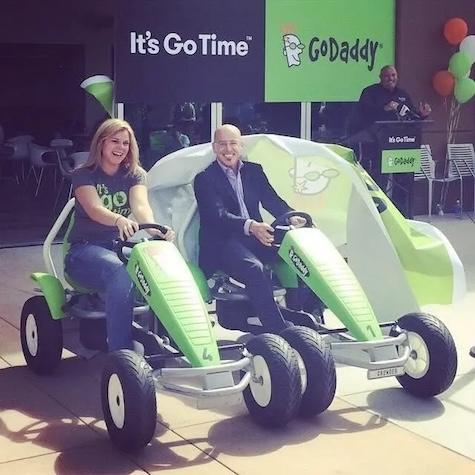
(179,352)
(365,268)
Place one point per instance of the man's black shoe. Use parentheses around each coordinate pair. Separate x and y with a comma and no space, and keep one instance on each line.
(472,352)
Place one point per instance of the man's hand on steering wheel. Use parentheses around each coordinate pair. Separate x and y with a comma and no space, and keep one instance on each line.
(168,236)
(298,221)
(263,232)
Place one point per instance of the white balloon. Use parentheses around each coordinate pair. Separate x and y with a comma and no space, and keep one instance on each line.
(468,46)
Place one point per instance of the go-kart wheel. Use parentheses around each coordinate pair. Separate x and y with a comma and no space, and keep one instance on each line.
(319,375)
(41,336)
(432,363)
(128,400)
(274,393)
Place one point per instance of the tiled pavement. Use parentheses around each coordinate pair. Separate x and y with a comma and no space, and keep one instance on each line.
(54,424)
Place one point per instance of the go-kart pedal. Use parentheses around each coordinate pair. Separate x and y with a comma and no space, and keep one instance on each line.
(221,288)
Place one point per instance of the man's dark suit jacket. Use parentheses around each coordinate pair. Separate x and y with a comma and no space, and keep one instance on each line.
(219,210)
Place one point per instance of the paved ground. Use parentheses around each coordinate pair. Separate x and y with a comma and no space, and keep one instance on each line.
(54,424)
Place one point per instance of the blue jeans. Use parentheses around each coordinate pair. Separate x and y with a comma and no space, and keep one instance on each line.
(97,267)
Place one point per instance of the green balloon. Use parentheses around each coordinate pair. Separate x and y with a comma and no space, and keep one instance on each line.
(464,90)
(460,64)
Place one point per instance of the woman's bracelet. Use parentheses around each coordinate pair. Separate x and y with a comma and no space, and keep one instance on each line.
(117,219)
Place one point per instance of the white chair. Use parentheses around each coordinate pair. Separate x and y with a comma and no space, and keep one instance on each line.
(461,158)
(37,160)
(67,166)
(17,152)
(61,146)
(427,172)
(79,158)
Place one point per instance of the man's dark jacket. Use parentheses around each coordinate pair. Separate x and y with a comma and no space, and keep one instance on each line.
(219,210)
(374,98)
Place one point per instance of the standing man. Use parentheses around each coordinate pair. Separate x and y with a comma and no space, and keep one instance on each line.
(385,100)
(233,238)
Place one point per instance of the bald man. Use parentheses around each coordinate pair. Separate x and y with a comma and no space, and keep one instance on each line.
(233,237)
(385,100)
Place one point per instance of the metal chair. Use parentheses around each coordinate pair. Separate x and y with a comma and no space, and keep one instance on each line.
(16,150)
(38,153)
(461,158)
(427,172)
(61,146)
(66,167)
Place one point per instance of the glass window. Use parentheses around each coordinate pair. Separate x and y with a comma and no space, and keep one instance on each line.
(332,121)
(264,118)
(164,128)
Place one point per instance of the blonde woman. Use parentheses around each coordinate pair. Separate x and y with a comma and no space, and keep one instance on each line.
(108,188)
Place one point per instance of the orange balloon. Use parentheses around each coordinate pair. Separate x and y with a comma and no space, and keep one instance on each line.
(455,30)
(443,82)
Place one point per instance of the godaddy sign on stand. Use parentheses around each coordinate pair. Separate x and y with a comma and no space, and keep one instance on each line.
(316,50)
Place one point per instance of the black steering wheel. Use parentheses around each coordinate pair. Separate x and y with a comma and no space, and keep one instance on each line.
(121,243)
(282,224)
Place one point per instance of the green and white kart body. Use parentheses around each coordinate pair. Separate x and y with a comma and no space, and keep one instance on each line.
(372,268)
(181,354)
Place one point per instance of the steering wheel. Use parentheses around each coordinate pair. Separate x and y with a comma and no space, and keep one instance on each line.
(121,243)
(282,224)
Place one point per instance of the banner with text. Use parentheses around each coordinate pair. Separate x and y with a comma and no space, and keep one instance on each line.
(181,50)
(326,50)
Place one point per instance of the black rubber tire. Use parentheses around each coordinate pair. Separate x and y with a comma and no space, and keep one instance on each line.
(42,345)
(285,381)
(319,367)
(129,372)
(442,355)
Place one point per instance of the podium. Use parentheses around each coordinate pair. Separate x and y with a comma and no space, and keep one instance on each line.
(398,155)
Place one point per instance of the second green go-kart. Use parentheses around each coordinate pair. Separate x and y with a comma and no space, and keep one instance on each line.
(370,269)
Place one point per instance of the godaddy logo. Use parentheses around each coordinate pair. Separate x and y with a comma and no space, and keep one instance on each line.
(331,49)
(142,281)
(344,51)
(298,263)
(293,48)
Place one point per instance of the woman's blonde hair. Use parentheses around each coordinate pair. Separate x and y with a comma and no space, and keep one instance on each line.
(108,128)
